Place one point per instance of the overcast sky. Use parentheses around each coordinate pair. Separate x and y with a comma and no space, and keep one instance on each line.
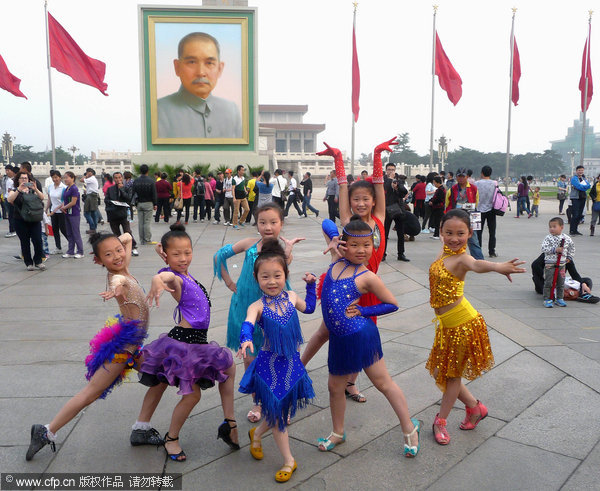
(304,57)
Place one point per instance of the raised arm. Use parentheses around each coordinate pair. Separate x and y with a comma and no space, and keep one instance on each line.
(378,177)
(309,304)
(167,280)
(340,174)
(220,260)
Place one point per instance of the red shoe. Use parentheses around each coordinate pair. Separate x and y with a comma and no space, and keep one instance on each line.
(441,436)
(479,410)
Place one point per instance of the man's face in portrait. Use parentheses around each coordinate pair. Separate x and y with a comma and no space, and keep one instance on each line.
(199,67)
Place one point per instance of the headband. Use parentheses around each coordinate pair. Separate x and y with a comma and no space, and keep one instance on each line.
(357,235)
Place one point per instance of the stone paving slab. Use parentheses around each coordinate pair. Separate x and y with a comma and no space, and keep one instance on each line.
(586,475)
(564,421)
(524,467)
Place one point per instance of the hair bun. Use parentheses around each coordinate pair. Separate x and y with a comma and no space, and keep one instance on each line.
(355,217)
(272,246)
(177,227)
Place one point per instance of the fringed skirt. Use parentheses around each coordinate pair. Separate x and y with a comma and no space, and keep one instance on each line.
(110,345)
(353,352)
(281,386)
(461,348)
(183,358)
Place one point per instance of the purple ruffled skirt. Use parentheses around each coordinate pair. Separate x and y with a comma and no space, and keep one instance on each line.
(183,363)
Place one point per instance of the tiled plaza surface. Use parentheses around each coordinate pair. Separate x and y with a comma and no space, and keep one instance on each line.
(543,430)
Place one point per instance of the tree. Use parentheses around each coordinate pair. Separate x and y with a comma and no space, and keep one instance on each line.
(403,153)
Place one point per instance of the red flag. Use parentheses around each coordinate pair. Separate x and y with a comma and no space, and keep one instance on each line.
(516,69)
(449,78)
(355,78)
(8,81)
(68,58)
(586,70)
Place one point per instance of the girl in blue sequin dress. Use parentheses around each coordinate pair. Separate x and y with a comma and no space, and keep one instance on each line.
(269,221)
(277,377)
(354,342)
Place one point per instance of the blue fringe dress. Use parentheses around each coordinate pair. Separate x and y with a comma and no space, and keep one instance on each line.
(247,293)
(277,377)
(354,343)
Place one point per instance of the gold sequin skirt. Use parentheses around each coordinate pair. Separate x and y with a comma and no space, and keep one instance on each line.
(461,347)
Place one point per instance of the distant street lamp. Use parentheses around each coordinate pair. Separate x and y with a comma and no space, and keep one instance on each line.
(73,149)
(572,153)
(442,151)
(7,147)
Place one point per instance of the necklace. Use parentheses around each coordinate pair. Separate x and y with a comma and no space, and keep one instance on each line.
(277,303)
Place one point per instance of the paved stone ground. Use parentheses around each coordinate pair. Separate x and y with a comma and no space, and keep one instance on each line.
(543,431)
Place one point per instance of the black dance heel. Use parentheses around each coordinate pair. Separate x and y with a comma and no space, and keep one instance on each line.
(224,433)
(177,457)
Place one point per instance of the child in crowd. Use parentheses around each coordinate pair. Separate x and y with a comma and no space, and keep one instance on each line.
(535,207)
(277,377)
(558,248)
(269,220)
(184,357)
(354,342)
(461,347)
(115,349)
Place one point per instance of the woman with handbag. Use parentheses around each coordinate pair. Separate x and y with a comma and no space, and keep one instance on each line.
(28,214)
(183,197)
(595,199)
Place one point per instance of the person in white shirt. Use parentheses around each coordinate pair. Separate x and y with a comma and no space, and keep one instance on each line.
(293,197)
(228,201)
(53,209)
(279,185)
(90,200)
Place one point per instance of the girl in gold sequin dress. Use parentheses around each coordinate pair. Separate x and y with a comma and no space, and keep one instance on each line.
(461,347)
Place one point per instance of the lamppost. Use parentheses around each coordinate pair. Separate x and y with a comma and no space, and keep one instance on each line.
(442,151)
(7,147)
(73,149)
(572,154)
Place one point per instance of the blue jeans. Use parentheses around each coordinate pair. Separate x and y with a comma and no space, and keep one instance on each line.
(306,204)
(92,219)
(522,205)
(474,247)
(577,206)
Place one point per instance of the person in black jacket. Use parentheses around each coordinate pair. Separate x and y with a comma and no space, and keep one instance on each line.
(308,188)
(144,189)
(394,195)
(117,200)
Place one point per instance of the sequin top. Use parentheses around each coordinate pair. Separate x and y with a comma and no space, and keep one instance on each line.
(337,294)
(281,325)
(445,288)
(135,296)
(194,305)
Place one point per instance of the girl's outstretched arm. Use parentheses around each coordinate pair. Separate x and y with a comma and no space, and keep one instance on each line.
(481,266)
(340,174)
(117,289)
(168,281)
(309,304)
(378,177)
(289,245)
(224,253)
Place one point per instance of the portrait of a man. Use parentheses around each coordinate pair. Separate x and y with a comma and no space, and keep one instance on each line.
(193,111)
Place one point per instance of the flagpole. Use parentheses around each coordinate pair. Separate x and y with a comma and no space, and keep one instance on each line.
(353,119)
(50,87)
(435,7)
(510,90)
(585,92)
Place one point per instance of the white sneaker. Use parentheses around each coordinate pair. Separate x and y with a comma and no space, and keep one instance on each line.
(67,256)
(215,223)
(41,266)
(426,231)
(431,229)
(202,220)
(78,256)
(195,221)
(10,234)
(227,224)
(30,268)
(134,252)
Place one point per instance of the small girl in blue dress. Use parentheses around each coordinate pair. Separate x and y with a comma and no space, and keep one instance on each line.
(354,342)
(277,377)
(269,221)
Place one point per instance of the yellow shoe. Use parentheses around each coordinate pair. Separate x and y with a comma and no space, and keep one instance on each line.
(285,476)
(256,452)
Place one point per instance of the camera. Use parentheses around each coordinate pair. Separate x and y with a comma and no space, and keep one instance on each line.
(29,184)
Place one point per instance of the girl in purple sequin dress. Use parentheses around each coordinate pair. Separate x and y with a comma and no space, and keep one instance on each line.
(184,357)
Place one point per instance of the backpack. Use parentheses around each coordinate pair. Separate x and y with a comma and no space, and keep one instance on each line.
(32,209)
(499,202)
(198,188)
